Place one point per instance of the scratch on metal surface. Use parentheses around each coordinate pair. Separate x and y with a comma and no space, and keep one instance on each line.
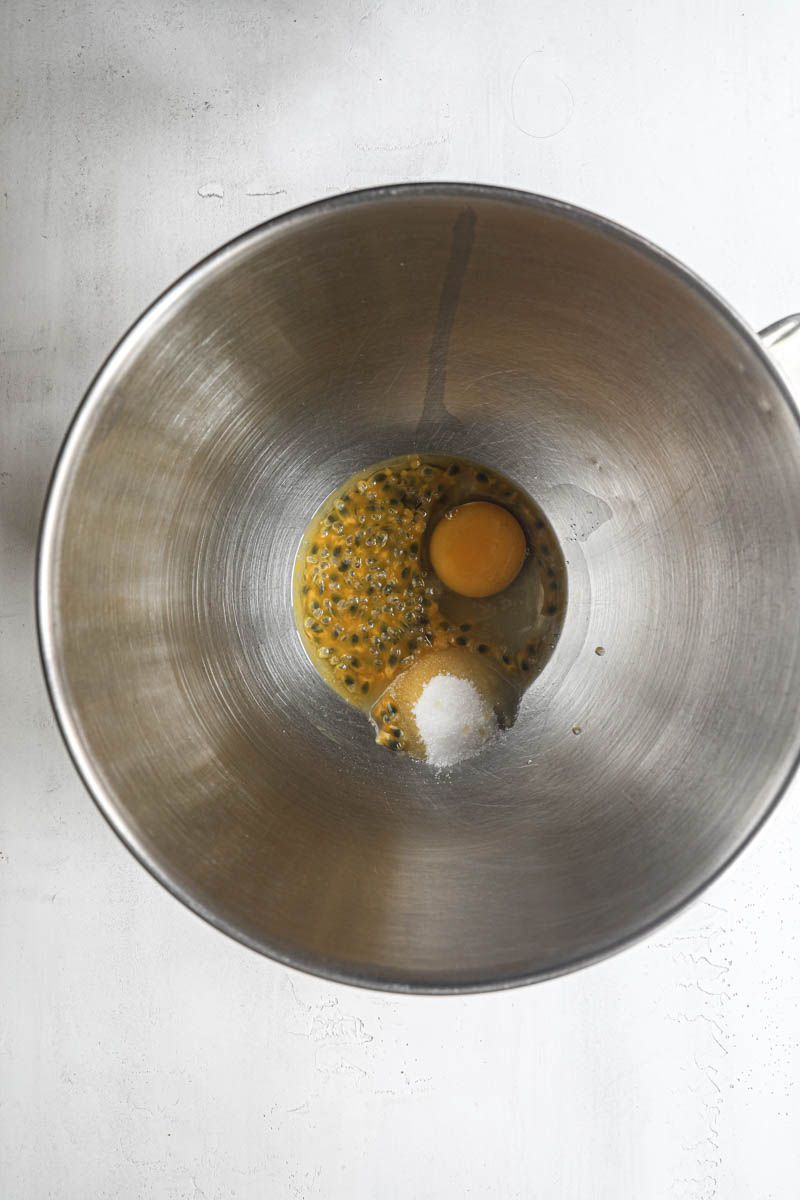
(499,371)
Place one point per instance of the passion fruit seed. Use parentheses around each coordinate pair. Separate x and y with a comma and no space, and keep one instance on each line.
(378,600)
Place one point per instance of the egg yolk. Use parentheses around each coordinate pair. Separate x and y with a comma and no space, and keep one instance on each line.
(477,549)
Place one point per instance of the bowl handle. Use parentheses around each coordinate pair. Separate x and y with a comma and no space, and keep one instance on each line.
(782,339)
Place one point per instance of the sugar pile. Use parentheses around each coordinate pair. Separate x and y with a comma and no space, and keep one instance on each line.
(453,719)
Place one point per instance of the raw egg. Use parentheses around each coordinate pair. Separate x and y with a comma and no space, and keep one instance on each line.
(428,566)
(478,549)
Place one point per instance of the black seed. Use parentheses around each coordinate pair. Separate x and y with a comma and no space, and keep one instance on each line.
(539,525)
(404,574)
(379,478)
(551,608)
(355,662)
(353,609)
(413,548)
(305,589)
(392,746)
(388,589)
(531,647)
(354,639)
(365,688)
(331,517)
(443,625)
(337,550)
(551,571)
(465,628)
(507,660)
(314,548)
(545,549)
(349,681)
(461,641)
(392,659)
(316,627)
(370,590)
(397,733)
(482,648)
(524,665)
(453,469)
(482,477)
(334,635)
(345,566)
(412,645)
(554,586)
(391,708)
(335,597)
(427,472)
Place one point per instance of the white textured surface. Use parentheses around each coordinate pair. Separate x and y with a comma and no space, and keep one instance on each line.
(141,1053)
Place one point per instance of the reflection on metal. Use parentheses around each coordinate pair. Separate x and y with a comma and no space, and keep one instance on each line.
(621,394)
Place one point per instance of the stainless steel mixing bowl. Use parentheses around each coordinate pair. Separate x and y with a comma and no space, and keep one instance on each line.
(630,402)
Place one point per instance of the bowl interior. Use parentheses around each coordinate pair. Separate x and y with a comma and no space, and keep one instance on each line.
(608,384)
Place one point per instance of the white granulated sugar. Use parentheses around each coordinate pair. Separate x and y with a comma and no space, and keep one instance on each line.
(453,719)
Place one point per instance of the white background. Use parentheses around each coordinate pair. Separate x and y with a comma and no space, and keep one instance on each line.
(141,1053)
